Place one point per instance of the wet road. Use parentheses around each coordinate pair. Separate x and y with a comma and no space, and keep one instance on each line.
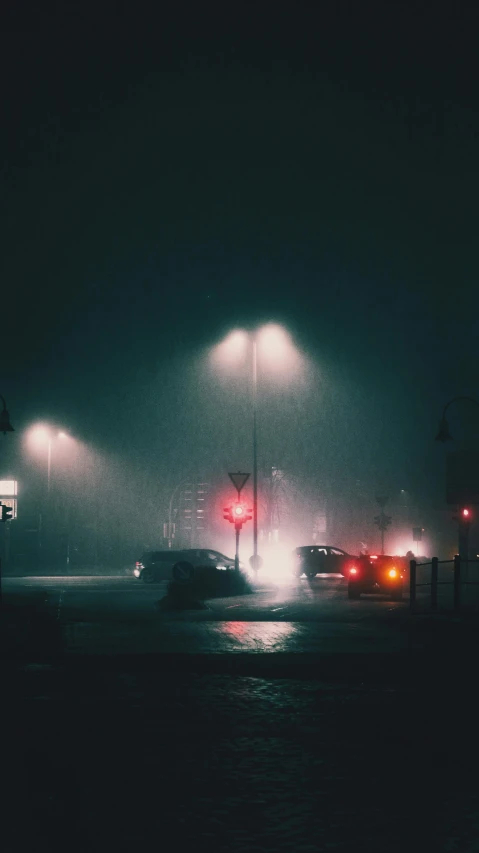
(276,721)
(325,597)
(117,615)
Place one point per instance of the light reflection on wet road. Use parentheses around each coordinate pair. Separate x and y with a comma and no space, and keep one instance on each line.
(116,615)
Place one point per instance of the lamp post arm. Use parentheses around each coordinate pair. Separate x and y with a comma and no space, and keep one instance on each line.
(455,399)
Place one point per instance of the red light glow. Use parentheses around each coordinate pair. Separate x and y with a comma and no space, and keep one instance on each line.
(353,571)
(465,513)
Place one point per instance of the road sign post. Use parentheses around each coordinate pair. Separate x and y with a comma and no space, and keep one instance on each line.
(237,531)
(237,513)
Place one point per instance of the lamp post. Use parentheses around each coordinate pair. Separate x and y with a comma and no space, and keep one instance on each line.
(42,434)
(5,425)
(463,516)
(49,458)
(278,349)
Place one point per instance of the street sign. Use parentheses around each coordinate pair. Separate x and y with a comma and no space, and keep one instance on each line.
(238,480)
(183,572)
(462,477)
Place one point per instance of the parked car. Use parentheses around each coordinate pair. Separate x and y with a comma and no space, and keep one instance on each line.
(311,560)
(155,566)
(377,574)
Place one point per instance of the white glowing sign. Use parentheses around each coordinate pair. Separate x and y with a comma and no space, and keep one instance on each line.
(8,488)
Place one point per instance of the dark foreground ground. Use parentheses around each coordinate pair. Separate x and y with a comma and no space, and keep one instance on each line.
(332,746)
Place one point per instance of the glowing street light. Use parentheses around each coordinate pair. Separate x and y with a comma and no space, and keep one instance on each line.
(275,349)
(43,434)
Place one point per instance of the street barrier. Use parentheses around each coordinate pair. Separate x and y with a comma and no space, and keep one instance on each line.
(457,581)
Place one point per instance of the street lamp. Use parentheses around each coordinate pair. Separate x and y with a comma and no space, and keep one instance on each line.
(60,435)
(5,425)
(273,342)
(443,433)
(44,433)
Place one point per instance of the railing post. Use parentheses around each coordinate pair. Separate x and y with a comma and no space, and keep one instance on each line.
(457,582)
(412,583)
(434,575)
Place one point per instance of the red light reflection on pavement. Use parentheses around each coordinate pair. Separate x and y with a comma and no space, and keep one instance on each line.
(255,636)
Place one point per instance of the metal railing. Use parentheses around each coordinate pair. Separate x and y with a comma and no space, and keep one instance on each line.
(457,581)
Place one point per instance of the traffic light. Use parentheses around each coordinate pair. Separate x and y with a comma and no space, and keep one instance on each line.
(228,514)
(241,514)
(465,514)
(237,513)
(6,513)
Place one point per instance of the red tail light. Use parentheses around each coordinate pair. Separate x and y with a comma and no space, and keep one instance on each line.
(353,570)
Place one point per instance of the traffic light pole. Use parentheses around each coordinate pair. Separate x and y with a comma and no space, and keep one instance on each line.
(237,531)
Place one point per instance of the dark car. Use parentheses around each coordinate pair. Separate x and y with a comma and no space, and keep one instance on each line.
(377,574)
(155,566)
(311,560)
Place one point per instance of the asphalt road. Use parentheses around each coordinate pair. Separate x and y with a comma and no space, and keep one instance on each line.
(117,615)
(289,719)
(324,597)
(121,615)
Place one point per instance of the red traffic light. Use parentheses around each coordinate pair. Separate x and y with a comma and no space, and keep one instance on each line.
(466,513)
(228,514)
(237,513)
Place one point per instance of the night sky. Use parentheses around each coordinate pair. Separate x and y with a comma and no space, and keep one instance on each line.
(167,177)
